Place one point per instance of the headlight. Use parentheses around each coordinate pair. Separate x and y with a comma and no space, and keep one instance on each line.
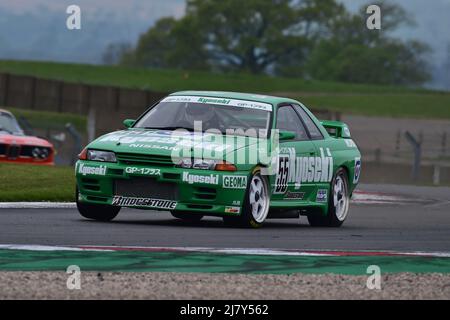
(104,156)
(40,153)
(206,164)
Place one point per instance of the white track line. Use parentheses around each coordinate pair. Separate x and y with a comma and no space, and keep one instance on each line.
(33,247)
(241,251)
(37,205)
(359,197)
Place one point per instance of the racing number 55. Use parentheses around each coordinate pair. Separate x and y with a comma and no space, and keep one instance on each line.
(281,183)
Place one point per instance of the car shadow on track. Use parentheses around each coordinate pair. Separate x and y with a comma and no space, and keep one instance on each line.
(209,223)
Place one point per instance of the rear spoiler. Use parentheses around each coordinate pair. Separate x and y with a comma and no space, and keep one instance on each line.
(336,129)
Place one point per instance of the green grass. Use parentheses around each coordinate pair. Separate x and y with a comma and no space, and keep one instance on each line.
(425,106)
(360,99)
(46,119)
(36,183)
(173,80)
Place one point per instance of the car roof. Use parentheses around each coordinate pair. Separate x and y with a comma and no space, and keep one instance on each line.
(237,95)
(5,111)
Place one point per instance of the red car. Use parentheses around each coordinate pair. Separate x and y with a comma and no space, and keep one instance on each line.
(16,147)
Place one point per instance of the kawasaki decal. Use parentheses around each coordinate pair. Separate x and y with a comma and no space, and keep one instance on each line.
(194,178)
(292,169)
(97,171)
(220,101)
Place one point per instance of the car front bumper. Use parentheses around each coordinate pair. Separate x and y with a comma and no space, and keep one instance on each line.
(161,188)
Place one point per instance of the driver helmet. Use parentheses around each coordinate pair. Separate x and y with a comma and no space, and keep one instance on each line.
(198,112)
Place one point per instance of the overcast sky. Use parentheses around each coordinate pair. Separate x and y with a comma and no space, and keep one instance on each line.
(35,29)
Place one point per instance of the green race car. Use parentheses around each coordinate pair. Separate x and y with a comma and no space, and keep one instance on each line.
(243,157)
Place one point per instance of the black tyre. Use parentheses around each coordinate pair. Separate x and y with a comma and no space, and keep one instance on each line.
(187,216)
(338,203)
(256,204)
(97,211)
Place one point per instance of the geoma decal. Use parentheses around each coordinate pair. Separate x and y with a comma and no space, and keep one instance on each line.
(235,182)
(292,169)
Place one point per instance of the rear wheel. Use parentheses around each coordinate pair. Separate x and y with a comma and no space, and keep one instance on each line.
(256,204)
(338,203)
(96,211)
(187,216)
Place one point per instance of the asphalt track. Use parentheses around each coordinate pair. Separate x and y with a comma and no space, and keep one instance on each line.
(420,223)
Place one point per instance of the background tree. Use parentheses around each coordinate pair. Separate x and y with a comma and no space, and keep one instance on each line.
(447,68)
(236,35)
(355,54)
(114,53)
(317,39)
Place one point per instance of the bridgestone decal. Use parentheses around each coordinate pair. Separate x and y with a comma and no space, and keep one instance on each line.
(143,202)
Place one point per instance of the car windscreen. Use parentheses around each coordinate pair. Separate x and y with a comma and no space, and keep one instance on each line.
(226,119)
(8,124)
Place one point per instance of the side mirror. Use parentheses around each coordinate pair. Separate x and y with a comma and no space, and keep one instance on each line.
(128,123)
(287,135)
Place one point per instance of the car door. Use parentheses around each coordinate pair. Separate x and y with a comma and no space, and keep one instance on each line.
(324,168)
(291,179)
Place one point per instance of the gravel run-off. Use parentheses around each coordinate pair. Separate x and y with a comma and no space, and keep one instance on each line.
(157,285)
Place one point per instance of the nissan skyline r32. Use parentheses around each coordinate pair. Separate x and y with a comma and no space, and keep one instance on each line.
(242,157)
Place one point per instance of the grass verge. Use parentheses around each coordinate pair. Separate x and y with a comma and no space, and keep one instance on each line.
(173,80)
(46,119)
(361,99)
(36,183)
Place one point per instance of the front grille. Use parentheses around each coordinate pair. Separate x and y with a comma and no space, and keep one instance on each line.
(146,188)
(90,184)
(100,199)
(200,206)
(27,151)
(205,193)
(145,159)
(13,152)
(39,152)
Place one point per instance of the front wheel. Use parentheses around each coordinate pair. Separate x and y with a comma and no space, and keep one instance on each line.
(97,212)
(338,203)
(256,204)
